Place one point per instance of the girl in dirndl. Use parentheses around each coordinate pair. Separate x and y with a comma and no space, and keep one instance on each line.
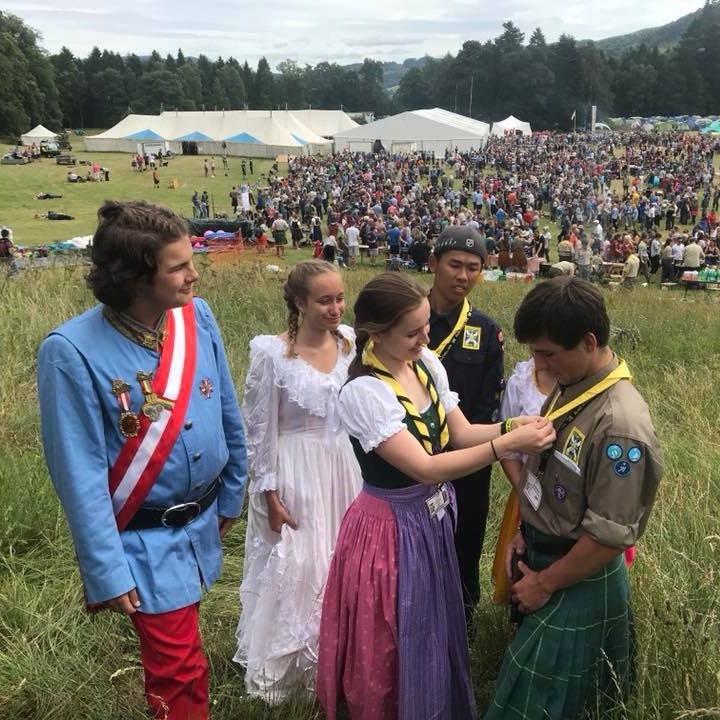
(393,642)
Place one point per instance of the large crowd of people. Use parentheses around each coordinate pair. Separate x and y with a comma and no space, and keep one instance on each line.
(608,195)
(366,450)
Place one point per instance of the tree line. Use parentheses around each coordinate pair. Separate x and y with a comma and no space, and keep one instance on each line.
(535,80)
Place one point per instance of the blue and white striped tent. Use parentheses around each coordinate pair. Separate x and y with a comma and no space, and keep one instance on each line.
(250,133)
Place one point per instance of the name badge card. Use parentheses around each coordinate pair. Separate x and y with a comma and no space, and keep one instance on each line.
(533,491)
(437,503)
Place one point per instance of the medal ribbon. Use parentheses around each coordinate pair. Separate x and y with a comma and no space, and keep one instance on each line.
(142,457)
(444,346)
(370,359)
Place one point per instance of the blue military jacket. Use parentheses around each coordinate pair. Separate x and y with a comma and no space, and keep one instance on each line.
(79,421)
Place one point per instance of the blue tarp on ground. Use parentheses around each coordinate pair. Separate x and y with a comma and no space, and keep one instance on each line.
(244,138)
(146,134)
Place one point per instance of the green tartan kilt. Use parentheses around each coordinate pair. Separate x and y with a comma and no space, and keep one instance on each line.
(574,653)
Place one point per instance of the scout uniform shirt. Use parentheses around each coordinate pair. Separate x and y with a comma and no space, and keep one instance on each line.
(602,473)
(474,361)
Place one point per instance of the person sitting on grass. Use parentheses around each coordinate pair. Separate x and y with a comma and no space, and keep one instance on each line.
(6,244)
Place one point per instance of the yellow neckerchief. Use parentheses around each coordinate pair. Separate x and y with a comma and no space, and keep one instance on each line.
(621,372)
(444,346)
(382,373)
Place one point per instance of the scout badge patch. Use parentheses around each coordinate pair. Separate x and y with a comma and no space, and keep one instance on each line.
(471,337)
(573,445)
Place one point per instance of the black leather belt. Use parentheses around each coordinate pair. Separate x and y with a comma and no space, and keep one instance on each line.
(177,515)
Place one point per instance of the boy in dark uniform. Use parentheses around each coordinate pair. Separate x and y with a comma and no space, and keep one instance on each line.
(470,345)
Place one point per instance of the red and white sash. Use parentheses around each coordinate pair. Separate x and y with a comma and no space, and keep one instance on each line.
(142,457)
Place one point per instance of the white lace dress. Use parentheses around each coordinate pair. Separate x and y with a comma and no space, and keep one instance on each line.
(295,446)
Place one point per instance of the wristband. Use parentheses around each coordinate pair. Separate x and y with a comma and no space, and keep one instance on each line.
(506,426)
(492,445)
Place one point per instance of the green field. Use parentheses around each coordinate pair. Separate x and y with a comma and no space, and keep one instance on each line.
(57,663)
(19,183)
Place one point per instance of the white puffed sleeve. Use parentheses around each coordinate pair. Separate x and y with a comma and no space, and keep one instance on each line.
(260,408)
(449,398)
(510,405)
(370,412)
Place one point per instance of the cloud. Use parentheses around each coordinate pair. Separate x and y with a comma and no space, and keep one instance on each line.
(317,30)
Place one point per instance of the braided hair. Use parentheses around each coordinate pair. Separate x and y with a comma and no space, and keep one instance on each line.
(295,289)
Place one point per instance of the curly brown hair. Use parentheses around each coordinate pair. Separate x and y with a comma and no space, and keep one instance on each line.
(125,249)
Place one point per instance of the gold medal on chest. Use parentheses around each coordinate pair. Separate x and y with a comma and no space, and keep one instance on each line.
(128,422)
(154,405)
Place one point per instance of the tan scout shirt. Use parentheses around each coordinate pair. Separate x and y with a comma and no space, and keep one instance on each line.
(603,473)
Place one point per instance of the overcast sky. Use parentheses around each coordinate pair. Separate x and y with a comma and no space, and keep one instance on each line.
(311,31)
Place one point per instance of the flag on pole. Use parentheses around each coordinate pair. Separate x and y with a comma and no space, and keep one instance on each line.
(572,117)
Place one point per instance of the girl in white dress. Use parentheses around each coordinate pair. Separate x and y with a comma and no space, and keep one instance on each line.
(303,476)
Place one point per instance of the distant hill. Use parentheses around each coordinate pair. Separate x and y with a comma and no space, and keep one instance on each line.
(664,36)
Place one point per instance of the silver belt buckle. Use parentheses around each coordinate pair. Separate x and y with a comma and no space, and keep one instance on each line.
(437,502)
(186,512)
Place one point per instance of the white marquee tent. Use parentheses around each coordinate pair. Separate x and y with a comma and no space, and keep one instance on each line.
(37,134)
(250,133)
(417,130)
(325,122)
(511,126)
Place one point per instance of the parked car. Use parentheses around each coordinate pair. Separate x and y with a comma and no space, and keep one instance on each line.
(10,159)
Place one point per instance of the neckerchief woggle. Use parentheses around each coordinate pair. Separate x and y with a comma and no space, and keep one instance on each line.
(382,373)
(444,345)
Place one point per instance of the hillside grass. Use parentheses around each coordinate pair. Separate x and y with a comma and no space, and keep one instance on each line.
(19,183)
(57,663)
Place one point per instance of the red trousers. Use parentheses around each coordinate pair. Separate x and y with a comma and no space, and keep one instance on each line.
(176,671)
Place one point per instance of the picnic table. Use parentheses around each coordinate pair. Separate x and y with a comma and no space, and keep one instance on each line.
(695,284)
(611,270)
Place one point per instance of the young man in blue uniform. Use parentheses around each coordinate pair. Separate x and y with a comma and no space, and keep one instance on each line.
(145,444)
(471,347)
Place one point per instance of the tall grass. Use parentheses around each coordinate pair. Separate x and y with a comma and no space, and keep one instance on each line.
(57,663)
